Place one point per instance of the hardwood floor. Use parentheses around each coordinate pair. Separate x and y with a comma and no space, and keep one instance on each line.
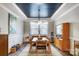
(25,51)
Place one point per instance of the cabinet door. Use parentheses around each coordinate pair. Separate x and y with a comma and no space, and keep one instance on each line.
(3,45)
(65,35)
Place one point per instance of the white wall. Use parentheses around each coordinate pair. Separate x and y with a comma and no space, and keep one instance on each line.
(16,38)
(50,27)
(3,21)
(26,27)
(74,35)
(74,31)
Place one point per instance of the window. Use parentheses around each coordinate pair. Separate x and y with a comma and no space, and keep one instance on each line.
(44,28)
(33,28)
(59,29)
(36,28)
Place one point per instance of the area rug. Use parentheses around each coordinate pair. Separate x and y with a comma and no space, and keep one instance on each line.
(17,52)
(40,53)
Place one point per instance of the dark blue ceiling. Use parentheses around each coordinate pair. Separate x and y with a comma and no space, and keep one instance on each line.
(37,10)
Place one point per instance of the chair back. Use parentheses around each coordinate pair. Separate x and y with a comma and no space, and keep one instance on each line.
(41,43)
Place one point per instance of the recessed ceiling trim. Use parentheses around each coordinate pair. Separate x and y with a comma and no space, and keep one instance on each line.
(70,9)
(58,10)
(5,8)
(36,19)
(44,10)
(19,10)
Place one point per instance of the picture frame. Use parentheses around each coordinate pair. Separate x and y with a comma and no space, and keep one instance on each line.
(12,24)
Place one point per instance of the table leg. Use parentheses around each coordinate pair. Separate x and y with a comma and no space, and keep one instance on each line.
(30,48)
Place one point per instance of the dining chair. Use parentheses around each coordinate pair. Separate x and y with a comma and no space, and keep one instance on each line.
(41,44)
(32,42)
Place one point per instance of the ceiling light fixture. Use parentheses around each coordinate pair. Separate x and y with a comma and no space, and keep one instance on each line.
(39,22)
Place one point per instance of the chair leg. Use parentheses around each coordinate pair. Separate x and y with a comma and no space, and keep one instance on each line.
(36,51)
(46,52)
(30,49)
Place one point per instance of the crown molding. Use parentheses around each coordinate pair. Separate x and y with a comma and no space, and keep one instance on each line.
(58,10)
(69,10)
(19,10)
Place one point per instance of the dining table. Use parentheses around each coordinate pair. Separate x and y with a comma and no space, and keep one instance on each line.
(34,39)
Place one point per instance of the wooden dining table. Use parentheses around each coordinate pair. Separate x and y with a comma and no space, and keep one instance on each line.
(34,39)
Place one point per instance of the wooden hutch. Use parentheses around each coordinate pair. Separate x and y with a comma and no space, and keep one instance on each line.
(63,42)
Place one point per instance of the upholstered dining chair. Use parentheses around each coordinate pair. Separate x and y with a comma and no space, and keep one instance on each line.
(41,44)
(33,42)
